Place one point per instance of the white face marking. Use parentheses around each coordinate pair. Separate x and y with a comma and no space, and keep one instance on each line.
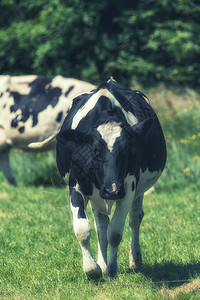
(109,133)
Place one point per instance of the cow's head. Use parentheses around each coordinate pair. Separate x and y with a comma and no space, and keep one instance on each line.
(104,155)
(118,149)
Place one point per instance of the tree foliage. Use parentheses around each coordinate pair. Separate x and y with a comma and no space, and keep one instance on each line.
(146,40)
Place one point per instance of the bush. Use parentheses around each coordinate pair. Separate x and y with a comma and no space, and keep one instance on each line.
(94,40)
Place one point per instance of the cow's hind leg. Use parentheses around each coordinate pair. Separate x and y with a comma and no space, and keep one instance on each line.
(102,222)
(5,166)
(82,231)
(135,217)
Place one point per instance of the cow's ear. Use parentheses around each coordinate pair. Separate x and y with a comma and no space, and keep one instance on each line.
(141,129)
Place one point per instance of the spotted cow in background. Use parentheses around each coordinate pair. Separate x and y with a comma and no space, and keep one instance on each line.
(32,108)
(110,149)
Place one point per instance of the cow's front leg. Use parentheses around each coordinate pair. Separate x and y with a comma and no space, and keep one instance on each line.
(114,233)
(135,218)
(101,222)
(82,231)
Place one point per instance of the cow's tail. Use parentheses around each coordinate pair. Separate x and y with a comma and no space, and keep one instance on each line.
(44,143)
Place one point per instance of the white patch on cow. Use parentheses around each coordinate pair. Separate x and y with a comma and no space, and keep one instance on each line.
(102,205)
(78,86)
(130,118)
(85,109)
(20,84)
(146,99)
(81,226)
(23,79)
(4,83)
(143,96)
(82,231)
(146,181)
(109,133)
(66,178)
(128,181)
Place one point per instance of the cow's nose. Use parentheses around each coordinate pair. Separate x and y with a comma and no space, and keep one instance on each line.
(113,194)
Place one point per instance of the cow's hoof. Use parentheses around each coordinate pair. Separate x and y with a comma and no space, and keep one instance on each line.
(111,271)
(94,273)
(136,263)
(103,266)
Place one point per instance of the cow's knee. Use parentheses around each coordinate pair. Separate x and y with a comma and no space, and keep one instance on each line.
(82,231)
(114,238)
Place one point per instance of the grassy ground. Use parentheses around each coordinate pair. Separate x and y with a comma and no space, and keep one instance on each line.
(41,259)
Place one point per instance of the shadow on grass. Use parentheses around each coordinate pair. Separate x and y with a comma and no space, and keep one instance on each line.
(170,274)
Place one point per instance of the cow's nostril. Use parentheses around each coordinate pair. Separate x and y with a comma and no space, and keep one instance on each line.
(107,191)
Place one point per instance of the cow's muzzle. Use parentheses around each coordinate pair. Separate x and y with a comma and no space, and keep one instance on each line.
(112,193)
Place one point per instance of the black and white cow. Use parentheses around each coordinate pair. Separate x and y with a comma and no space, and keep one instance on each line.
(31,109)
(110,149)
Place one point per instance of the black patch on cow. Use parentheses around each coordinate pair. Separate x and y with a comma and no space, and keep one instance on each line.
(1,94)
(141,215)
(77,201)
(41,95)
(21,129)
(69,90)
(14,123)
(59,116)
(4,106)
(133,186)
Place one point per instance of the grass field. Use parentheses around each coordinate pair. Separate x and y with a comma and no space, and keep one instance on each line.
(40,257)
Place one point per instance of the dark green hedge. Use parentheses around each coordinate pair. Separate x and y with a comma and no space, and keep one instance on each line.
(145,40)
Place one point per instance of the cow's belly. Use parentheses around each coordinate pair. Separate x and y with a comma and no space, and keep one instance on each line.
(146,180)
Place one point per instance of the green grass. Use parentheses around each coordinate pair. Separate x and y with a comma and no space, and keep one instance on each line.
(41,259)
